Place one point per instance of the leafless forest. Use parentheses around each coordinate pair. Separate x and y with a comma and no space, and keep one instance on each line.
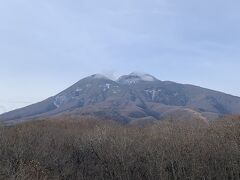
(92,149)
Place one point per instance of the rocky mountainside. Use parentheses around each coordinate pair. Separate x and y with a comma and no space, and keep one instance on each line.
(132,97)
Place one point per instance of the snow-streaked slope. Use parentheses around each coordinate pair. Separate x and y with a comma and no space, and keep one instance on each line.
(135,78)
(129,98)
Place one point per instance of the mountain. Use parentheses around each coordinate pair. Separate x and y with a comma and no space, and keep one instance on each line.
(130,98)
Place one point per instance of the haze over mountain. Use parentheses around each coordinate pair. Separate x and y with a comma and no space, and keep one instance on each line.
(131,97)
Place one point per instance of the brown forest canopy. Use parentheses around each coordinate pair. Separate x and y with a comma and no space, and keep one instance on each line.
(92,149)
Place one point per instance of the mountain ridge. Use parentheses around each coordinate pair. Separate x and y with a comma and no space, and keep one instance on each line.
(130,97)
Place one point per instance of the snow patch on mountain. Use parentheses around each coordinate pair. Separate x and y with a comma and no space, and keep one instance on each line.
(134,78)
(108,85)
(143,77)
(152,93)
(59,100)
(78,89)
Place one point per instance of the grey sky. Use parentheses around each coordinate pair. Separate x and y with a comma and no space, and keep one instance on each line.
(46,45)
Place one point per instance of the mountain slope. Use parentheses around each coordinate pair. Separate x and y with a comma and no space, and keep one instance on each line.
(131,97)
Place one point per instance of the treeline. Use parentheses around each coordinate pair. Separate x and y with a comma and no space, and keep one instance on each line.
(90,149)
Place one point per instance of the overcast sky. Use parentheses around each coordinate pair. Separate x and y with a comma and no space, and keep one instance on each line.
(47,45)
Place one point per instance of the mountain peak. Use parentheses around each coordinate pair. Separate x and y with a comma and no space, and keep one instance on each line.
(136,77)
(99,76)
(143,76)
